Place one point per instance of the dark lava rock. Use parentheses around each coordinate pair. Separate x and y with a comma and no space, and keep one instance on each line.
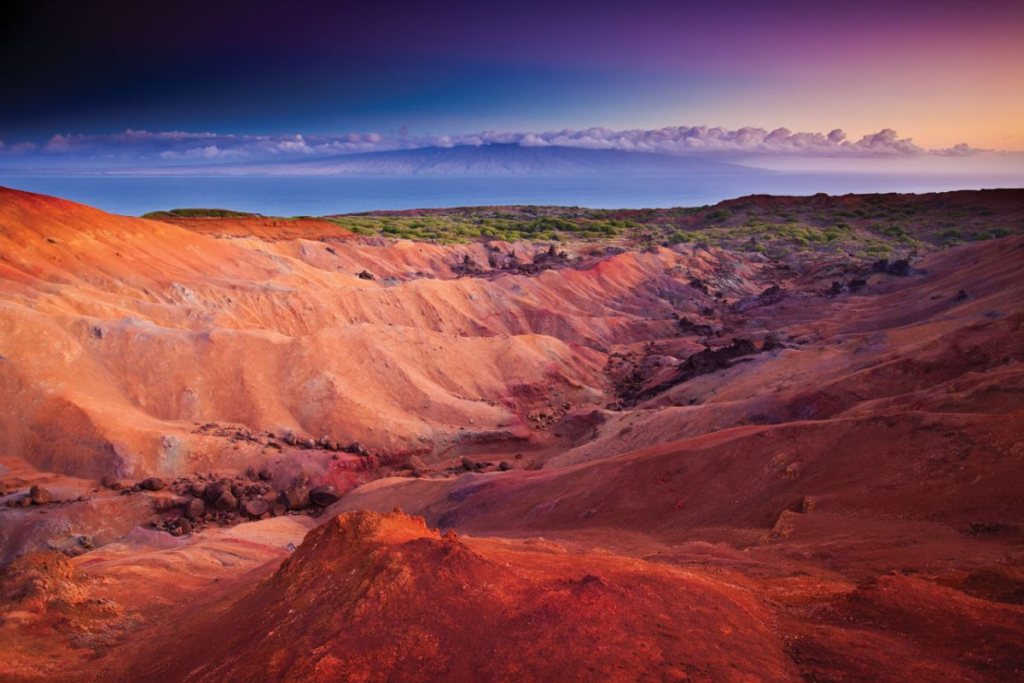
(324,495)
(296,497)
(40,496)
(900,268)
(701,363)
(153,484)
(109,482)
(504,466)
(771,342)
(357,448)
(467,464)
(689,327)
(226,501)
(366,275)
(194,509)
(772,295)
(961,295)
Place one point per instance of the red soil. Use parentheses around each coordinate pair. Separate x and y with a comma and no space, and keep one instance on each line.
(845,506)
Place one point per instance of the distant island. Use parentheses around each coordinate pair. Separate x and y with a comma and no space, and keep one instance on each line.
(470,160)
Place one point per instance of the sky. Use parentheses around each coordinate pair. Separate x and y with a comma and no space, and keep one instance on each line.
(120,81)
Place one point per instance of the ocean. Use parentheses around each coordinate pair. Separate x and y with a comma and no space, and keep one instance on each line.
(322,195)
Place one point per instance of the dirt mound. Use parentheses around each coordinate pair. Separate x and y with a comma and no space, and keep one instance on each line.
(375,597)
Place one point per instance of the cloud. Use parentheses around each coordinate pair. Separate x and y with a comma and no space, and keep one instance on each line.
(140,147)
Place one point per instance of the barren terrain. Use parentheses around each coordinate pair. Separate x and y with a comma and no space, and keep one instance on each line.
(776,439)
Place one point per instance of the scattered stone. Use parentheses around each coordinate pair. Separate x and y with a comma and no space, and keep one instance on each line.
(256,507)
(153,484)
(324,495)
(366,275)
(900,268)
(960,296)
(467,464)
(279,510)
(296,497)
(504,466)
(357,448)
(771,342)
(251,473)
(772,295)
(226,501)
(182,527)
(39,496)
(110,482)
(266,474)
(195,508)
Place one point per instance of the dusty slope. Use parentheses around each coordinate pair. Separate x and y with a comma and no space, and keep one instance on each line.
(736,482)
(128,332)
(470,610)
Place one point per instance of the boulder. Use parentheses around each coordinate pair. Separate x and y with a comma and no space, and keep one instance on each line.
(153,484)
(110,482)
(296,497)
(194,509)
(266,474)
(226,501)
(324,495)
(182,527)
(255,507)
(40,496)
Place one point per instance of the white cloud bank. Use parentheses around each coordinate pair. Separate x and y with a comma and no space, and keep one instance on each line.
(179,147)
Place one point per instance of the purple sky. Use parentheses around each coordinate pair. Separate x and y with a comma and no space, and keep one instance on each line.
(939,72)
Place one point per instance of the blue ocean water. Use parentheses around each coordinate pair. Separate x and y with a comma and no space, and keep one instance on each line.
(322,195)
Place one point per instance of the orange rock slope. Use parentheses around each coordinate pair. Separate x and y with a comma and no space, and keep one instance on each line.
(655,464)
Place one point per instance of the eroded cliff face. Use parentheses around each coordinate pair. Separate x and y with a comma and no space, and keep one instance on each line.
(745,468)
